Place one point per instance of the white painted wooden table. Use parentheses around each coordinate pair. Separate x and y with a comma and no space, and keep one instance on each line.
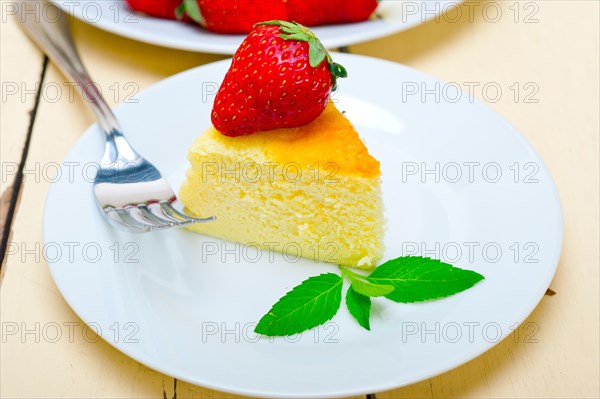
(547,53)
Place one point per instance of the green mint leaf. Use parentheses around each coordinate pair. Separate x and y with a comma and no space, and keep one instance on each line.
(364,287)
(359,306)
(418,279)
(312,303)
(193,11)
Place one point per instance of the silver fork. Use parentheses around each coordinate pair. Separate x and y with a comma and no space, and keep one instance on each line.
(129,190)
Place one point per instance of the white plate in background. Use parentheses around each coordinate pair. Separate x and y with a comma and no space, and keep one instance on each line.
(114,16)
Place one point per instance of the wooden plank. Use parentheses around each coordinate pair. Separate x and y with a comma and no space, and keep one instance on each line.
(189,391)
(20,83)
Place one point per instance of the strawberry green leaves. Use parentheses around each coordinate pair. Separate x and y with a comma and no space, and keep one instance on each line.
(317,53)
(312,303)
(405,279)
(294,31)
(190,7)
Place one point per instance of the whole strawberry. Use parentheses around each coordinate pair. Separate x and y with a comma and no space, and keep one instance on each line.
(280,77)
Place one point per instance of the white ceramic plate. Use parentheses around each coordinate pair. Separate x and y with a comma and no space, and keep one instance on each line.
(186,305)
(114,16)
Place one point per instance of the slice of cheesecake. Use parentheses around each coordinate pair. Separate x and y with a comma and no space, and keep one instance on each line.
(312,191)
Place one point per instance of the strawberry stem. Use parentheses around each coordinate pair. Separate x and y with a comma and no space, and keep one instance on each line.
(337,71)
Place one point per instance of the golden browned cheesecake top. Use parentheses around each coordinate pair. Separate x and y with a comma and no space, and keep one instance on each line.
(330,138)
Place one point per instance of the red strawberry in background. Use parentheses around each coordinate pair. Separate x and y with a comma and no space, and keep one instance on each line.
(280,77)
(156,8)
(239,16)
(323,12)
(231,16)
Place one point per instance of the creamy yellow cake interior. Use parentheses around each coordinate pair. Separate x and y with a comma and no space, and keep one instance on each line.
(312,191)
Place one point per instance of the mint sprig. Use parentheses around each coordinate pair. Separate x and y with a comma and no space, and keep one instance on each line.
(405,279)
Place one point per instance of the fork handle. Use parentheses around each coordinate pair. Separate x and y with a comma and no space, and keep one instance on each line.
(54,38)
